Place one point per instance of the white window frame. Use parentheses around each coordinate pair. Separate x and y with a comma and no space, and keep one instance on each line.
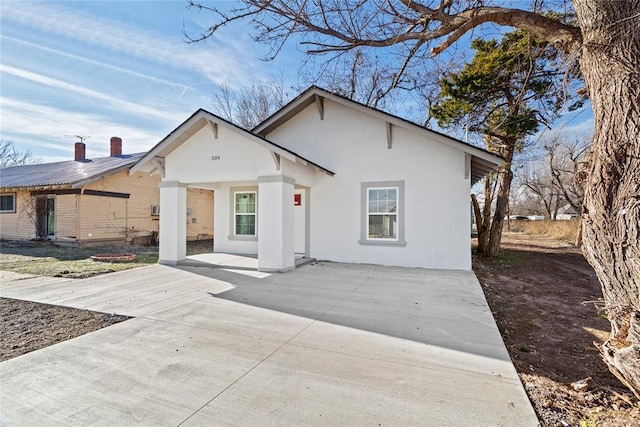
(254,214)
(399,240)
(370,214)
(13,196)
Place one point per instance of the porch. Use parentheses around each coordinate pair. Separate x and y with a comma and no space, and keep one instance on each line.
(233,261)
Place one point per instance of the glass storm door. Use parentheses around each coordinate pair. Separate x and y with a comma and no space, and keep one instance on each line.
(51,217)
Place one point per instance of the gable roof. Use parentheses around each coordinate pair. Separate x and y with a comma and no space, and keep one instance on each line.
(202,118)
(64,174)
(482,161)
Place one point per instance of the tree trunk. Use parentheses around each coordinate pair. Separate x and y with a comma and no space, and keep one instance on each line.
(556,208)
(481,227)
(502,200)
(610,64)
(505,175)
(483,219)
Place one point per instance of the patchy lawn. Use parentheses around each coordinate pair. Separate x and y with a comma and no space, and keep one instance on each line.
(47,259)
(544,297)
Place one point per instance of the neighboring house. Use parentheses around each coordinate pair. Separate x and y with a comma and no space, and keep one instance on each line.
(567,212)
(324,177)
(89,201)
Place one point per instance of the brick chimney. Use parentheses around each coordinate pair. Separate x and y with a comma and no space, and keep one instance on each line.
(80,152)
(116,146)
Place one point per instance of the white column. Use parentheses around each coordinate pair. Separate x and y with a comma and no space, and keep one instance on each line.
(276,223)
(173,222)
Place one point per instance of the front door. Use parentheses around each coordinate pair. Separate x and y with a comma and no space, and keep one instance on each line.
(46,215)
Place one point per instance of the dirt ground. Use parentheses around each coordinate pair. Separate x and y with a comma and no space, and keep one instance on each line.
(27,326)
(545,299)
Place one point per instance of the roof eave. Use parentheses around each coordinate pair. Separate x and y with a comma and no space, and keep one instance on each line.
(308,97)
(197,121)
(35,187)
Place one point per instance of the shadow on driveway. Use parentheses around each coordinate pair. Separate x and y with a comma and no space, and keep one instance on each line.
(438,307)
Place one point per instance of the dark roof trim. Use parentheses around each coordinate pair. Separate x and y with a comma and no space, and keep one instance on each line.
(78,191)
(56,192)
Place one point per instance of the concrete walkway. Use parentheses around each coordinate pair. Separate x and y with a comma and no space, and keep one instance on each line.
(326,344)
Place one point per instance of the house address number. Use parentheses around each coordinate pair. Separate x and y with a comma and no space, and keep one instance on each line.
(214,158)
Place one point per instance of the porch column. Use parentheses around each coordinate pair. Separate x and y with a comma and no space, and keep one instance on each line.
(275,223)
(173,222)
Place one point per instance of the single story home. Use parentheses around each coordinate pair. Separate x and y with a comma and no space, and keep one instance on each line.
(85,201)
(567,212)
(324,177)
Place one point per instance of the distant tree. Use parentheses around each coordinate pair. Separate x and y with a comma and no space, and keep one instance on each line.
(250,105)
(556,177)
(540,196)
(11,156)
(505,93)
(355,76)
(566,161)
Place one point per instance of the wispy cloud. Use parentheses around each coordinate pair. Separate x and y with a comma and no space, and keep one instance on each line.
(41,126)
(215,63)
(96,63)
(113,102)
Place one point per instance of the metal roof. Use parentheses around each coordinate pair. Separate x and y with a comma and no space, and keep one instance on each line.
(70,173)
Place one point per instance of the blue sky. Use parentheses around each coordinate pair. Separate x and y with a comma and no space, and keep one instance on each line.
(120,68)
(114,68)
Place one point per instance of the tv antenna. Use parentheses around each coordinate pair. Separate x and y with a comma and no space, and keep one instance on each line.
(80,137)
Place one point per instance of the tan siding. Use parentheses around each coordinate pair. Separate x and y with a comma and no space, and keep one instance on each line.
(19,225)
(65,208)
(201,204)
(144,193)
(86,218)
(102,218)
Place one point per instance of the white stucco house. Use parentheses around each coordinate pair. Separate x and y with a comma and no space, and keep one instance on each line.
(324,177)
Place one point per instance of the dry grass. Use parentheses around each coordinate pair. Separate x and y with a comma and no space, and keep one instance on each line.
(47,259)
(556,230)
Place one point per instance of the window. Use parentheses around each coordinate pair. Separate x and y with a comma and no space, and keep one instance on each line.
(8,203)
(382,213)
(245,213)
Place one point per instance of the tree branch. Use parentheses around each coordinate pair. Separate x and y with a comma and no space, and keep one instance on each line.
(346,22)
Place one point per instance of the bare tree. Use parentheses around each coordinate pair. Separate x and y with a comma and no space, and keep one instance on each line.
(565,162)
(540,195)
(248,106)
(11,156)
(602,36)
(356,76)
(554,179)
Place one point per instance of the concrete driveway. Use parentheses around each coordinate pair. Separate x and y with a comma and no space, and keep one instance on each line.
(326,344)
